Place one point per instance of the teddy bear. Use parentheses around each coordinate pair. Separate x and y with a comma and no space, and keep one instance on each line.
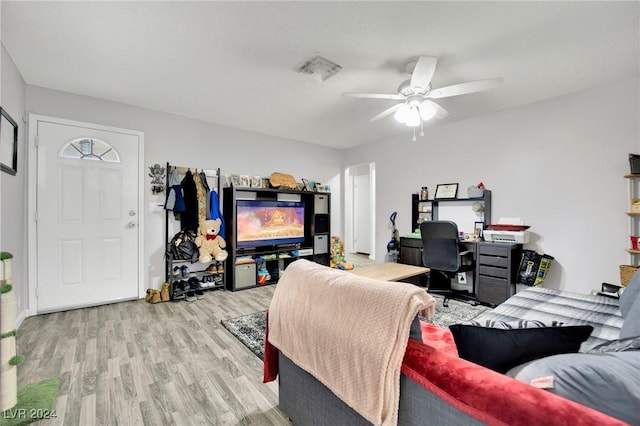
(210,244)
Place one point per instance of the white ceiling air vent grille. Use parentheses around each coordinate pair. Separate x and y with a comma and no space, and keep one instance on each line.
(319,68)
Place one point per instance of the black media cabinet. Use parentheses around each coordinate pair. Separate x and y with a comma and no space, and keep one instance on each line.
(241,271)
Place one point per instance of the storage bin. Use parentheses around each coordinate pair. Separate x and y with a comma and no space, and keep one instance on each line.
(475,192)
(634,163)
(626,273)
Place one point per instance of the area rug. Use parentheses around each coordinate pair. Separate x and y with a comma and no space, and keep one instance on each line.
(35,402)
(249,329)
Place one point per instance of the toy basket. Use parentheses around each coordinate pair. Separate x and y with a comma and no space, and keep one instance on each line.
(626,273)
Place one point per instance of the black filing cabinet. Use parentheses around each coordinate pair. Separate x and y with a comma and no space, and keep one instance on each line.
(496,271)
(411,251)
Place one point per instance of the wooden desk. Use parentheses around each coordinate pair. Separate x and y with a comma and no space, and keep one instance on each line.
(389,271)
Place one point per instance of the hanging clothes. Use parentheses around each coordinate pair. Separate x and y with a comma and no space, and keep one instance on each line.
(202,197)
(174,201)
(214,211)
(205,184)
(189,219)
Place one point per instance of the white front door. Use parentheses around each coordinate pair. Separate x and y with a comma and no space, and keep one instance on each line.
(87,215)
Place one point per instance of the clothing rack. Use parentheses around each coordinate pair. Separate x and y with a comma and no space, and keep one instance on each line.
(214,173)
(210,173)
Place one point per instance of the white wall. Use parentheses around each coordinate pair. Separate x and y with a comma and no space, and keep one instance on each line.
(13,195)
(558,164)
(194,143)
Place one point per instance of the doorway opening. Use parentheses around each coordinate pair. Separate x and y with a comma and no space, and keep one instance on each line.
(360,210)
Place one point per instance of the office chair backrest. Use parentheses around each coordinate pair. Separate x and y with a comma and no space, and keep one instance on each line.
(441,250)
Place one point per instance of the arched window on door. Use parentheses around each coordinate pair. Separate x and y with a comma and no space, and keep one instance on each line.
(90,149)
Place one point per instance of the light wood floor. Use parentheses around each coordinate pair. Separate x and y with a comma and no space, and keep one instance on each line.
(134,363)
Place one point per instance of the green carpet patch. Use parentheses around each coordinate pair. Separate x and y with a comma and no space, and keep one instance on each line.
(35,402)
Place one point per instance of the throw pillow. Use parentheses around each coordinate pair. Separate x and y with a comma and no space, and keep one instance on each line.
(508,325)
(607,382)
(501,350)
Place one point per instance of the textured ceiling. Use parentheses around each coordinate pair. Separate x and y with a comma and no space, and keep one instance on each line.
(233,63)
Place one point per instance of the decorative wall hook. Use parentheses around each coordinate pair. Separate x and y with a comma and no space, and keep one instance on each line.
(158,179)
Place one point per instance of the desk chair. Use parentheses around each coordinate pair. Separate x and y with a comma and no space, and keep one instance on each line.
(441,253)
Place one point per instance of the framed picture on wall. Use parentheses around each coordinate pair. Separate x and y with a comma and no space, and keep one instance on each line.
(8,143)
(446,191)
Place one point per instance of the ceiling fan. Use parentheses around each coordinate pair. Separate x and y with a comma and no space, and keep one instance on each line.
(415,94)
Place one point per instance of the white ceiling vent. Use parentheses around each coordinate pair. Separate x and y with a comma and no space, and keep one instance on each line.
(319,68)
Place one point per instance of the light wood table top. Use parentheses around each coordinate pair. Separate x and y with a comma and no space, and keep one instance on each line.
(389,271)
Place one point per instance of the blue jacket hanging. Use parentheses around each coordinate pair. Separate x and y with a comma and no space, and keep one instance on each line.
(214,211)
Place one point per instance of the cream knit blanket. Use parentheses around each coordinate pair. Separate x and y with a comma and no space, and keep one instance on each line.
(349,332)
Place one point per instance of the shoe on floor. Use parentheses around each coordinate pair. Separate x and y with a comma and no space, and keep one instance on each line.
(191,296)
(199,294)
(193,283)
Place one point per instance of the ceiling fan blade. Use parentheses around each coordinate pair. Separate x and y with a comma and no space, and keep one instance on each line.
(423,73)
(440,111)
(464,88)
(396,97)
(387,112)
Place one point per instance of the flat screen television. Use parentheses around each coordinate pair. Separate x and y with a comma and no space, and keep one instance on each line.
(262,223)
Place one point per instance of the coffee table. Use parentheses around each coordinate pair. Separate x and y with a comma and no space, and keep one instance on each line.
(389,271)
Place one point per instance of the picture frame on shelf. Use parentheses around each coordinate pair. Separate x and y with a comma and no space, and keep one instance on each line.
(256,182)
(265,182)
(245,181)
(307,185)
(446,191)
(8,143)
(235,180)
(477,229)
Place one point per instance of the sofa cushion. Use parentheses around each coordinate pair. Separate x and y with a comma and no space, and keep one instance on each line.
(438,337)
(631,324)
(618,345)
(607,382)
(490,397)
(415,332)
(630,295)
(501,350)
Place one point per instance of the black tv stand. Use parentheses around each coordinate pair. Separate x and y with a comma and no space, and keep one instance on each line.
(242,270)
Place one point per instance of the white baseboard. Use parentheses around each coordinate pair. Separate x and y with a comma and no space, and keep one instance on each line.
(21,317)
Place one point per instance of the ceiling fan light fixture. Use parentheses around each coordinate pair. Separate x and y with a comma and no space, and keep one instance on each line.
(402,114)
(427,110)
(413,118)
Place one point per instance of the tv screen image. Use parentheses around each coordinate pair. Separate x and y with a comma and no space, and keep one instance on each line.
(262,223)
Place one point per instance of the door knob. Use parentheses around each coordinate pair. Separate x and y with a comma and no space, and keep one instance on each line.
(131,225)
(132,212)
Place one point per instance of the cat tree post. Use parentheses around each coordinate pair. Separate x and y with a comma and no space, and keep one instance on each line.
(8,369)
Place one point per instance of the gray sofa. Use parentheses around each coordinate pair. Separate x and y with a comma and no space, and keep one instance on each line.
(438,387)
